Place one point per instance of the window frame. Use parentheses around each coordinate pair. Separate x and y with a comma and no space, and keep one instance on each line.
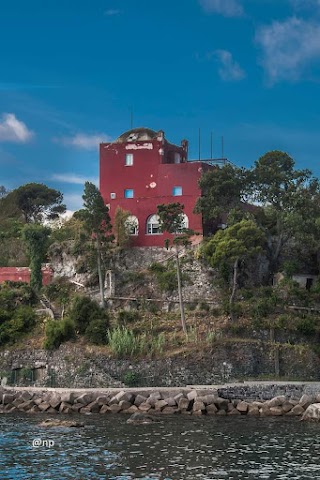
(126,195)
(126,162)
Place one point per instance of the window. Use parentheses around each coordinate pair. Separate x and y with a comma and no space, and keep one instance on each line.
(153,227)
(177,157)
(112,196)
(128,193)
(129,159)
(177,191)
(132,225)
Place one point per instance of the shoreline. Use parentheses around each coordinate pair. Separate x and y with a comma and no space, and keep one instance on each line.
(248,398)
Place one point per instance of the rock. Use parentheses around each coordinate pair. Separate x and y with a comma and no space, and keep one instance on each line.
(277,411)
(25,406)
(85,398)
(211,409)
(139,400)
(26,396)
(192,395)
(242,407)
(17,401)
(132,409)
(184,404)
(114,408)
(54,422)
(198,406)
(305,401)
(276,401)
(124,396)
(140,419)
(44,406)
(312,413)
(76,407)
(144,407)
(171,402)
(177,397)
(253,410)
(286,407)
(105,409)
(221,412)
(297,410)
(170,410)
(221,403)
(208,399)
(7,398)
(233,411)
(69,397)
(93,407)
(265,411)
(102,400)
(125,405)
(55,400)
(160,404)
(64,407)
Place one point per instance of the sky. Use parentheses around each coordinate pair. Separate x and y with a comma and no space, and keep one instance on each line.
(72,71)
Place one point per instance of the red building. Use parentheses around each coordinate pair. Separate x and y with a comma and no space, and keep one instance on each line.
(141,170)
(22,274)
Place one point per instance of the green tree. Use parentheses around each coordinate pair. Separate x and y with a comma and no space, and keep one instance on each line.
(97,223)
(36,202)
(121,228)
(291,201)
(232,246)
(36,238)
(224,190)
(171,220)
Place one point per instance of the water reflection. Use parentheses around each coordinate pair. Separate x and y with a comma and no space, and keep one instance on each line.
(177,448)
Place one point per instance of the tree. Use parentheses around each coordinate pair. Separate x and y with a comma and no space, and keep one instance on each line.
(232,246)
(97,223)
(36,202)
(121,228)
(35,238)
(224,190)
(3,191)
(171,220)
(291,201)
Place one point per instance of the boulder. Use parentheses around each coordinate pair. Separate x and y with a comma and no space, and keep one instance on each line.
(25,406)
(221,412)
(55,400)
(312,413)
(198,406)
(93,407)
(184,404)
(211,409)
(139,400)
(221,403)
(68,397)
(55,422)
(114,408)
(140,419)
(64,407)
(253,410)
(242,407)
(296,411)
(170,410)
(7,398)
(305,401)
(277,401)
(233,411)
(25,396)
(85,398)
(171,402)
(102,400)
(76,407)
(132,409)
(160,404)
(104,409)
(44,406)
(192,395)
(144,407)
(276,411)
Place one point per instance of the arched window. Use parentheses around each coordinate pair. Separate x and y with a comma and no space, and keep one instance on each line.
(153,227)
(185,222)
(132,225)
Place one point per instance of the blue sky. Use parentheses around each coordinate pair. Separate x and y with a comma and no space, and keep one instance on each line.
(71,71)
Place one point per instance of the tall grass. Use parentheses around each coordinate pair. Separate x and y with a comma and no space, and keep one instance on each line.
(125,343)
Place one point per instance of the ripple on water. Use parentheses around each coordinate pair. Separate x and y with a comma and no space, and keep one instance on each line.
(177,448)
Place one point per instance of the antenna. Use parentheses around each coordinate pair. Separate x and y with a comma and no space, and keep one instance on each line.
(211,145)
(199,143)
(131,118)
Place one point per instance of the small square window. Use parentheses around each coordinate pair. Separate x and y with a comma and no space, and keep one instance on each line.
(112,196)
(128,193)
(129,159)
(177,191)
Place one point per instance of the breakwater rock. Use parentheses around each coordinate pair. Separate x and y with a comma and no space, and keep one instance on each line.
(186,401)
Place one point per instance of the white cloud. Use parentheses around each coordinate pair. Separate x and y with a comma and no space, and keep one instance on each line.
(84,141)
(111,12)
(13,130)
(73,201)
(229,70)
(228,8)
(73,178)
(288,47)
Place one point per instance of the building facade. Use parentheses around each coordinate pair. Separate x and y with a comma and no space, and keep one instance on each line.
(141,170)
(22,274)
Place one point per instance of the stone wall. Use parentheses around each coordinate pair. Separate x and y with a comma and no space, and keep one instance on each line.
(74,366)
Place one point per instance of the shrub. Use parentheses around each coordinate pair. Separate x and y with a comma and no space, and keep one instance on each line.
(14,326)
(84,311)
(307,325)
(126,316)
(131,379)
(96,332)
(57,332)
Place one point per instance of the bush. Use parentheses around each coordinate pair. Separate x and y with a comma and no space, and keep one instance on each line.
(123,342)
(307,326)
(126,316)
(13,327)
(96,332)
(166,278)
(131,379)
(57,332)
(84,311)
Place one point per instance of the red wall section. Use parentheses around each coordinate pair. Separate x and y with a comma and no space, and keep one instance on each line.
(22,274)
